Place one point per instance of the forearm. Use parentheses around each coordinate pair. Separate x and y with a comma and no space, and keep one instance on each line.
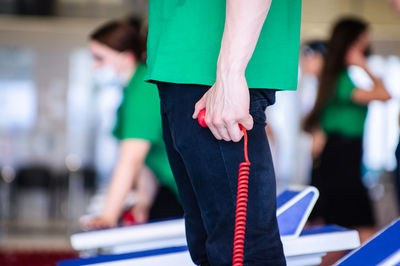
(147,186)
(243,24)
(132,155)
(365,97)
(378,91)
(121,184)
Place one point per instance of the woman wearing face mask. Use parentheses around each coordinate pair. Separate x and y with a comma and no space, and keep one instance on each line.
(340,111)
(117,48)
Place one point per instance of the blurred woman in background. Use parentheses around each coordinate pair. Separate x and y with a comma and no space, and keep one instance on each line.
(311,63)
(117,48)
(309,145)
(340,111)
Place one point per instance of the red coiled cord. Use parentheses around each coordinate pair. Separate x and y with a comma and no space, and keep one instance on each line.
(241,206)
(241,199)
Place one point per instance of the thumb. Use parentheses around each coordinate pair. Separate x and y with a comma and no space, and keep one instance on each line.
(200,105)
(247,123)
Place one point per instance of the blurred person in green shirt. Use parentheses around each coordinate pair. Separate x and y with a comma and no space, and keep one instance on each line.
(340,111)
(396,7)
(117,47)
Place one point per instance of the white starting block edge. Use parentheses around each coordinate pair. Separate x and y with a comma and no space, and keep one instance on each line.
(163,232)
(321,239)
(382,249)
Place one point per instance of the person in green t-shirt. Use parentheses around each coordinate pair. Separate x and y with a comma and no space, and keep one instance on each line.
(340,111)
(117,48)
(228,57)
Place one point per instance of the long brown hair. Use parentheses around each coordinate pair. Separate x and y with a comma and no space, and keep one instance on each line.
(345,32)
(121,35)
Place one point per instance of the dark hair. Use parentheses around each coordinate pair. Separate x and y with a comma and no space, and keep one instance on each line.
(345,33)
(121,35)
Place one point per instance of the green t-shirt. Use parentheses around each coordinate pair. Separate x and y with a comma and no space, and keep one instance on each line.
(185,38)
(341,115)
(139,117)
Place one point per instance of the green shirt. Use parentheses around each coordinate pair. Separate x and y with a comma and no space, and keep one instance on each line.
(139,117)
(185,38)
(341,115)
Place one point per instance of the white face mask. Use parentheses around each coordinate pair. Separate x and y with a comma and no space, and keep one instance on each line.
(108,77)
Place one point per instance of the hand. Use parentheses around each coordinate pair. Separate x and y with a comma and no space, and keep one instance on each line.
(99,222)
(227,103)
(141,213)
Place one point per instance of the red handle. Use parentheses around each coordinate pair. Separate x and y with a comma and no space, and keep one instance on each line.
(201,118)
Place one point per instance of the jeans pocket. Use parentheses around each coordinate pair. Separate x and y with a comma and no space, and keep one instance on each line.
(257,110)
(260,99)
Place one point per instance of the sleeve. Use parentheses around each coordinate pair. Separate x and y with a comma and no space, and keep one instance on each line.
(141,118)
(360,78)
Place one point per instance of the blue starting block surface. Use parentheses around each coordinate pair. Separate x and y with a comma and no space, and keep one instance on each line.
(164,256)
(293,208)
(383,249)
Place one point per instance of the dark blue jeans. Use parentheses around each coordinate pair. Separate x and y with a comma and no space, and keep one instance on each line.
(206,172)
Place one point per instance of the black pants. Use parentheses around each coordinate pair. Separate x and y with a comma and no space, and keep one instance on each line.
(206,172)
(343,198)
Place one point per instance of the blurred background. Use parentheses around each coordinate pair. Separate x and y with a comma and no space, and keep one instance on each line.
(56,147)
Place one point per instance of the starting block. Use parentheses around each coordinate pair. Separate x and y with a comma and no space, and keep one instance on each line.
(164,242)
(382,250)
(155,235)
(293,208)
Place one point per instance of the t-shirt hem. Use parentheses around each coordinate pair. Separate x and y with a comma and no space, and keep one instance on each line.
(206,82)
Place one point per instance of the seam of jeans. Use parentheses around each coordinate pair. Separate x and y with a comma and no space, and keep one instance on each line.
(227,173)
